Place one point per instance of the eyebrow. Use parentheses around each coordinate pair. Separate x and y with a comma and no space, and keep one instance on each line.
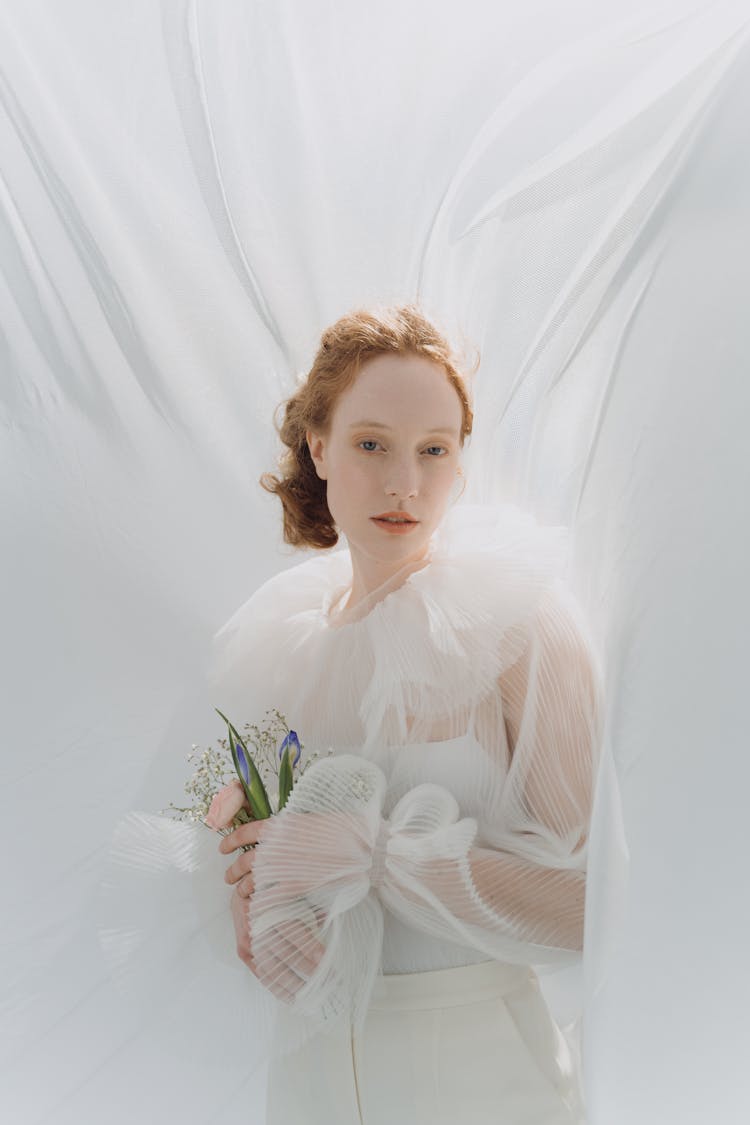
(449,431)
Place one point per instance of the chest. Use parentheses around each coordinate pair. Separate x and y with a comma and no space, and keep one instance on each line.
(461,765)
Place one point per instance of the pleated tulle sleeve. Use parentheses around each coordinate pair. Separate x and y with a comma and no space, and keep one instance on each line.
(510,885)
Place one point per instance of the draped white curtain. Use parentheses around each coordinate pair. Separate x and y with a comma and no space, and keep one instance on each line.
(189,193)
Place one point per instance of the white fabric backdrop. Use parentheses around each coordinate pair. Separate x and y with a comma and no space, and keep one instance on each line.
(189,194)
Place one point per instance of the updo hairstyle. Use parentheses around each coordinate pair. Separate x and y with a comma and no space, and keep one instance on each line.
(344,347)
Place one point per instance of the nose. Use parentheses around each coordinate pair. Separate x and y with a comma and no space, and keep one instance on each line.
(402,481)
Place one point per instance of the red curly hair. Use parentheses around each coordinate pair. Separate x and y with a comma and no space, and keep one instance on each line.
(344,348)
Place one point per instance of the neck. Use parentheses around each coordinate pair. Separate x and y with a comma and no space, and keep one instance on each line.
(373,579)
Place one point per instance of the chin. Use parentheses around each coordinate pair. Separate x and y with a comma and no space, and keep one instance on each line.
(389,545)
(380,544)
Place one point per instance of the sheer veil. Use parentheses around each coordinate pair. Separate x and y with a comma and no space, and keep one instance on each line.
(189,194)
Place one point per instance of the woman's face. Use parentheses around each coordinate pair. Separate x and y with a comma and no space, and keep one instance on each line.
(392,447)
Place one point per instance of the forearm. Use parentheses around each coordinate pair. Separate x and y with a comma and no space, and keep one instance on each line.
(488,898)
(545,903)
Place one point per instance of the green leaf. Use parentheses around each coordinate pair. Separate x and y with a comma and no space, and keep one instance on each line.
(254,789)
(286,778)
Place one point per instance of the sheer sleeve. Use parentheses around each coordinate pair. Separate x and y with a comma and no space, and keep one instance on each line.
(531,882)
(331,862)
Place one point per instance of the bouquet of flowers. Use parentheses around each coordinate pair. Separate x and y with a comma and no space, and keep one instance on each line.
(161,887)
(211,791)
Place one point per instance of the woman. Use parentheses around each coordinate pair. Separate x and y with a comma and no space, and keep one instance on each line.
(444,673)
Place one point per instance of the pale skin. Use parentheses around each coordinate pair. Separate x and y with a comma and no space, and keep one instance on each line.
(392,446)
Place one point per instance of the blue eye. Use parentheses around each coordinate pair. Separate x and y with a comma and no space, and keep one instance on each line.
(369,442)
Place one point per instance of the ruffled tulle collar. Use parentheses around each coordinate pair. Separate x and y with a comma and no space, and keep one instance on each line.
(502,529)
(424,645)
(334,615)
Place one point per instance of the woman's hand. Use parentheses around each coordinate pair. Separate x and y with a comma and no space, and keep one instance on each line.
(224,808)
(290,951)
(241,871)
(242,928)
(289,959)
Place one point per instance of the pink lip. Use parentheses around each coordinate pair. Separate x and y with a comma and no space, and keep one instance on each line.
(396,528)
(396,516)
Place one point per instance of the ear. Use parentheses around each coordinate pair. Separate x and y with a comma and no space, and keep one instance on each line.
(316,445)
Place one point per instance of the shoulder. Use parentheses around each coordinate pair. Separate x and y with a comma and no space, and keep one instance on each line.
(562,623)
(299,587)
(493,569)
(501,577)
(458,623)
(266,623)
(503,546)
(559,655)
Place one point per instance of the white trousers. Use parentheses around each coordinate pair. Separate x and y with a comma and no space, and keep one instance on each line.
(475,1045)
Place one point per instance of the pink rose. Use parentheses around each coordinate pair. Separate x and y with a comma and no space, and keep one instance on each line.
(225,805)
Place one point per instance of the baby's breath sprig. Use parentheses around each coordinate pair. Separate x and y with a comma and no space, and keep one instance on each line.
(214,771)
(216,768)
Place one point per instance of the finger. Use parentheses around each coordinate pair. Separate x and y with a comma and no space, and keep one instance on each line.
(298,936)
(296,961)
(249,833)
(302,951)
(274,973)
(283,984)
(279,978)
(240,867)
(246,886)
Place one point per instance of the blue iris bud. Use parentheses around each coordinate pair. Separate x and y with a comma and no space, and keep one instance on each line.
(292,742)
(242,759)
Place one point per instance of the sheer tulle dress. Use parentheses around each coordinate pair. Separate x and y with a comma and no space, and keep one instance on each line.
(457,717)
(430,860)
